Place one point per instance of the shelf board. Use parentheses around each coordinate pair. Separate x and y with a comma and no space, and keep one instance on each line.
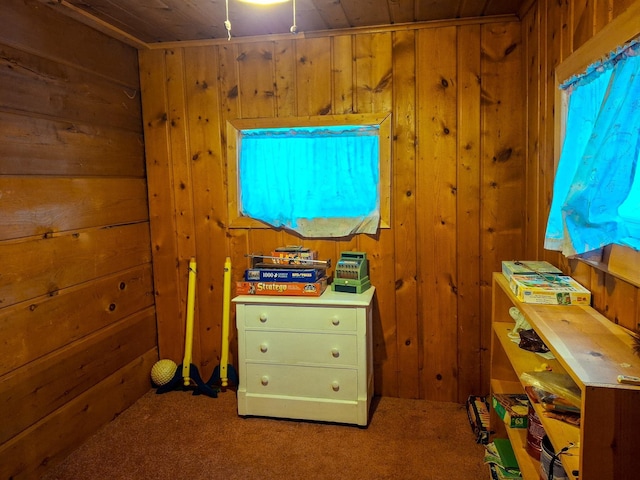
(591,348)
(529,466)
(521,360)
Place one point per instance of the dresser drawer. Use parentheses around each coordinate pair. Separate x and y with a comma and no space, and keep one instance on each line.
(302,381)
(301,348)
(300,317)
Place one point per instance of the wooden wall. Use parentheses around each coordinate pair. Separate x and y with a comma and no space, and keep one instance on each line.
(77,316)
(552,31)
(455,92)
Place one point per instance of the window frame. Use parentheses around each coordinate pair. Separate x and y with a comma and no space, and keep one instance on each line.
(617,260)
(236,126)
(621,30)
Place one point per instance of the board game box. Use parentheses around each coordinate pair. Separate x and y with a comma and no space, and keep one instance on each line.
(560,290)
(309,275)
(529,267)
(513,409)
(313,289)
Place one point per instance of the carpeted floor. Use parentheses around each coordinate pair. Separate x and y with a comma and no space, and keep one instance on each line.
(180,436)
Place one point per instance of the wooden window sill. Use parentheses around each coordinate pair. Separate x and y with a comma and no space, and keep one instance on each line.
(617,260)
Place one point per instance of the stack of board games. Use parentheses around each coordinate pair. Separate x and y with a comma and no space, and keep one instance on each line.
(542,283)
(291,270)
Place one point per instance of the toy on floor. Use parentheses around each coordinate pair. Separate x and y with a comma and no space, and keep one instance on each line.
(187,373)
(163,371)
(225,373)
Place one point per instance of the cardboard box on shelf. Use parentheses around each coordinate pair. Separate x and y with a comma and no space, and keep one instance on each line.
(513,409)
(561,290)
(528,267)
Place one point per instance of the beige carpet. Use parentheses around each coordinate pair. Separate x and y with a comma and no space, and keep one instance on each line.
(178,436)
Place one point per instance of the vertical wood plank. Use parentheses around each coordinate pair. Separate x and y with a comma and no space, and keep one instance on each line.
(535,228)
(620,302)
(205,159)
(436,190)
(373,72)
(375,95)
(256,79)
(313,76)
(342,74)
(583,21)
(179,137)
(285,73)
(603,13)
(404,212)
(620,6)
(566,11)
(162,213)
(228,89)
(502,158)
(552,45)
(468,213)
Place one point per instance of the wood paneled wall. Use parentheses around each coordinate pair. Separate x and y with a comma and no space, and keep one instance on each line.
(458,174)
(553,30)
(77,319)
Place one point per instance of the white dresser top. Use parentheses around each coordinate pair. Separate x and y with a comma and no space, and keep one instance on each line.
(329,297)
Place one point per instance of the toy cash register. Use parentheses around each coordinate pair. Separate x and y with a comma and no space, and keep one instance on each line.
(351,273)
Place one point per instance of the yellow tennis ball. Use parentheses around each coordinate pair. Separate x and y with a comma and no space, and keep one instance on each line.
(163,371)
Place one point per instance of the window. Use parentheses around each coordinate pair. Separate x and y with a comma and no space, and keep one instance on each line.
(318,176)
(594,200)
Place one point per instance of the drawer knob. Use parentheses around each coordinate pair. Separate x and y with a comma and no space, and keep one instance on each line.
(263,348)
(263,317)
(335,321)
(335,386)
(335,353)
(264,380)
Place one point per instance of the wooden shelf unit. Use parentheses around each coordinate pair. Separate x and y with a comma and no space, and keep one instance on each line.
(593,351)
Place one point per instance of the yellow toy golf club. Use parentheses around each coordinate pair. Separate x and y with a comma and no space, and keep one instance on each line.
(224,371)
(188,336)
(188,372)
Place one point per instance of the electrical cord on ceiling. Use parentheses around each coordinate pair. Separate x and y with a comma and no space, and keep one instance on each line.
(227,23)
(294,27)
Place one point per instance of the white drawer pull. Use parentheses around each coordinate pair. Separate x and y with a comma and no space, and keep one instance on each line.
(335,321)
(335,353)
(335,386)
(263,317)
(264,348)
(264,380)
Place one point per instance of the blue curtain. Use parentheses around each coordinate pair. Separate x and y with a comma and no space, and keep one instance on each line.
(599,156)
(287,175)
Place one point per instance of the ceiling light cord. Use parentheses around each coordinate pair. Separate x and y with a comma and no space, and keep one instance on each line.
(294,27)
(227,23)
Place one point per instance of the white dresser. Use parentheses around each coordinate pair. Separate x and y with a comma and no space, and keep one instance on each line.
(306,357)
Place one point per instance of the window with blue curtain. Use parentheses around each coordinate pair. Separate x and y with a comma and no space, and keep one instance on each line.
(596,194)
(317,181)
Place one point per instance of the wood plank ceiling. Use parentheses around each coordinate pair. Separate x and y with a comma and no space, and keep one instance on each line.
(152,21)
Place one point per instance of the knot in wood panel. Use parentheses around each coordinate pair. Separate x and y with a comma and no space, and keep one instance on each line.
(503,155)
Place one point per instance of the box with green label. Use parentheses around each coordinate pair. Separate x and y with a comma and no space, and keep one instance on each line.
(513,409)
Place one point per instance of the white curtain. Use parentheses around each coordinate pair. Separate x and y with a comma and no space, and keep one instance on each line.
(599,157)
(321,182)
